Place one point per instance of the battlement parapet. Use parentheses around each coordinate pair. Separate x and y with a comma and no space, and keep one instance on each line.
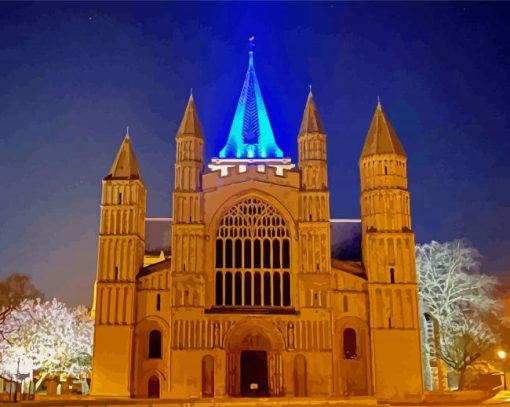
(231,171)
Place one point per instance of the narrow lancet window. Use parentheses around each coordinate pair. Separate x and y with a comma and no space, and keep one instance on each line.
(155,344)
(350,345)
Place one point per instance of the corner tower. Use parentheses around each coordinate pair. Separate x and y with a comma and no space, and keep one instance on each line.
(120,256)
(188,224)
(314,227)
(389,260)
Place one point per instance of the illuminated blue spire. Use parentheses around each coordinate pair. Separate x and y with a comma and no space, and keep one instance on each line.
(251,135)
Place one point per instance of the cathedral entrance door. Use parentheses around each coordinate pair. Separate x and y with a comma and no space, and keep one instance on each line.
(153,387)
(254,381)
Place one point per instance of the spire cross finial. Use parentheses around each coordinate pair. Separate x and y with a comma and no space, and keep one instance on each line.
(310,88)
(127,131)
(378,101)
(191,92)
(251,43)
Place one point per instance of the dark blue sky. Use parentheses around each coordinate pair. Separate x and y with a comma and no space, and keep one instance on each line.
(73,75)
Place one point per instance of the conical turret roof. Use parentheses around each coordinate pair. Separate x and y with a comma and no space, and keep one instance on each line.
(381,138)
(251,135)
(125,165)
(311,122)
(190,124)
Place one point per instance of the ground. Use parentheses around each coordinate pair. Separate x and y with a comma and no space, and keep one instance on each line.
(501,398)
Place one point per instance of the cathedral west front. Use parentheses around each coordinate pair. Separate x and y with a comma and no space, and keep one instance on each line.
(250,289)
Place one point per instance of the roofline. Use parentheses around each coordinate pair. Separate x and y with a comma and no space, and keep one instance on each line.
(331,220)
(159,219)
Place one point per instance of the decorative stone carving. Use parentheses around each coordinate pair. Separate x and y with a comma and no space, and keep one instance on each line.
(216,335)
(290,336)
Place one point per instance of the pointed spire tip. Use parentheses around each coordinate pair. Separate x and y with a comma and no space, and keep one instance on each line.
(311,122)
(381,138)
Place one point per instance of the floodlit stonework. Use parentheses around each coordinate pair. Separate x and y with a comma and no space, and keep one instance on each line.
(246,296)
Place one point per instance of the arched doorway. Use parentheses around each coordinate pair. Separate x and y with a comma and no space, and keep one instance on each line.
(254,361)
(353,360)
(208,376)
(254,380)
(153,387)
(300,377)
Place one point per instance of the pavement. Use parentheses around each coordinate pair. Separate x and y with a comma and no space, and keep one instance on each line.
(500,398)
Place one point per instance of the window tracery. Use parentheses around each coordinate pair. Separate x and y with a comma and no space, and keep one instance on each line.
(252,257)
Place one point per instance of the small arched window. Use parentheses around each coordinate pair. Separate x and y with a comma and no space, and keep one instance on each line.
(155,344)
(350,345)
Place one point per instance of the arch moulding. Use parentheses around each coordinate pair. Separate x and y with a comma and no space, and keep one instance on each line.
(252,193)
(253,326)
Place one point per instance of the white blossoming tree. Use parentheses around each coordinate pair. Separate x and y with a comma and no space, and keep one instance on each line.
(461,299)
(13,290)
(47,336)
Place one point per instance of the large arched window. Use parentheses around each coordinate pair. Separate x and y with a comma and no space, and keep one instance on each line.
(253,257)
(155,344)
(350,345)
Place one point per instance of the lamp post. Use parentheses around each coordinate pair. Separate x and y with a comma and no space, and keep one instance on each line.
(502,356)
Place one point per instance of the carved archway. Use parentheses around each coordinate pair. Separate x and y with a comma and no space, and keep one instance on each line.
(254,362)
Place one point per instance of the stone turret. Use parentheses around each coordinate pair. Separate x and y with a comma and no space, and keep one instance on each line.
(188,217)
(312,149)
(314,227)
(388,258)
(121,250)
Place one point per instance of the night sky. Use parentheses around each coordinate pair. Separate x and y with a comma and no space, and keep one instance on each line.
(74,75)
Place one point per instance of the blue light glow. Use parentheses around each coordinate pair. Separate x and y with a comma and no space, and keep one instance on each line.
(251,135)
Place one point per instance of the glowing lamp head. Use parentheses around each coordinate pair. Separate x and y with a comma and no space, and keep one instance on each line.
(501,354)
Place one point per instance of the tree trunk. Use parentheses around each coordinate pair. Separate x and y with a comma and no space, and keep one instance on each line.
(462,379)
(40,381)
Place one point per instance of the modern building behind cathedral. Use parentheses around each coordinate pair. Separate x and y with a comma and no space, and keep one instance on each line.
(251,289)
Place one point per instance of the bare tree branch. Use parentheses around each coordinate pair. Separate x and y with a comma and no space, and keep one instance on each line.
(461,299)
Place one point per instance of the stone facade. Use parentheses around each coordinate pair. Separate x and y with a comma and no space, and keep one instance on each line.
(248,301)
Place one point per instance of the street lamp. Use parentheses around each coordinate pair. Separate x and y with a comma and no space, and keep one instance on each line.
(502,356)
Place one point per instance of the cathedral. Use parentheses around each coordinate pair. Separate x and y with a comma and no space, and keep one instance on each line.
(250,289)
